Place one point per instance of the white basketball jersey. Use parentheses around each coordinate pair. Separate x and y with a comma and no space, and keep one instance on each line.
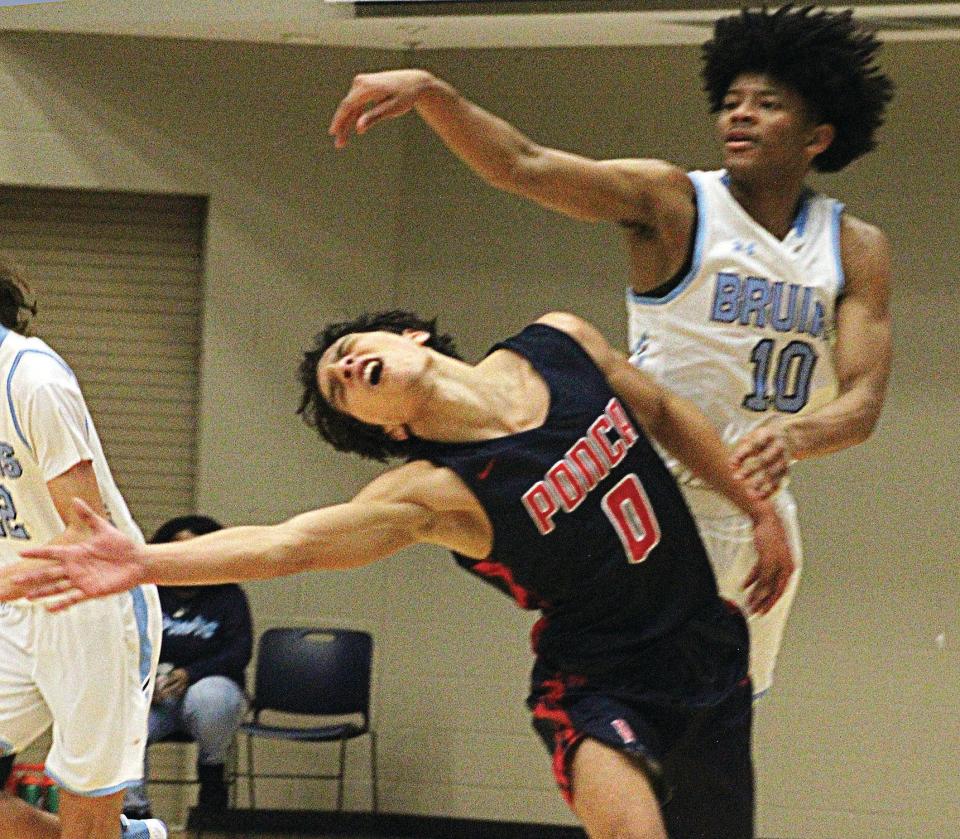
(747,333)
(45,429)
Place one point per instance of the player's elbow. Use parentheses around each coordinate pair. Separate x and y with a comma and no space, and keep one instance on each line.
(520,168)
(869,408)
(869,420)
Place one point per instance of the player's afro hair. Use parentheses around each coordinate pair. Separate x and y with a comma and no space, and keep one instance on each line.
(826,57)
(343,432)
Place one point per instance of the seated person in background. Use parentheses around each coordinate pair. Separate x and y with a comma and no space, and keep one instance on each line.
(207,645)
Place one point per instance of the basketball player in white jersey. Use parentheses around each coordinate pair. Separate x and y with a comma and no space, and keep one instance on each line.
(88,672)
(756,298)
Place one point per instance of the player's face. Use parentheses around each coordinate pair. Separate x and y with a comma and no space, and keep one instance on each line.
(375,377)
(765,128)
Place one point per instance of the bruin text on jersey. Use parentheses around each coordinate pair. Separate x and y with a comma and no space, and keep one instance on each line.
(585,464)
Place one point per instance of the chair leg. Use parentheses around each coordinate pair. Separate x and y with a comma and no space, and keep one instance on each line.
(251,794)
(343,766)
(232,769)
(374,795)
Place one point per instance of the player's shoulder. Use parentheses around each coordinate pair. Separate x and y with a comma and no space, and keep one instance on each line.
(33,364)
(416,481)
(581,331)
(855,232)
(574,326)
(660,177)
(865,251)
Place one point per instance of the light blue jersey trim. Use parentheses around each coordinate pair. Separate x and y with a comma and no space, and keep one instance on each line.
(13,369)
(633,297)
(6,748)
(838,209)
(4,332)
(143,618)
(800,222)
(799,225)
(92,793)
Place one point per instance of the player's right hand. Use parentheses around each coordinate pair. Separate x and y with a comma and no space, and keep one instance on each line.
(374,97)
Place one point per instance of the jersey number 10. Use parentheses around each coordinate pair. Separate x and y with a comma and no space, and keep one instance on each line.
(791,377)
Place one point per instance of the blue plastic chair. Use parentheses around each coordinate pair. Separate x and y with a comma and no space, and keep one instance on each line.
(318,671)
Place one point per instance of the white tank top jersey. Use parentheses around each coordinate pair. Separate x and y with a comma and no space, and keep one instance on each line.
(747,333)
(45,429)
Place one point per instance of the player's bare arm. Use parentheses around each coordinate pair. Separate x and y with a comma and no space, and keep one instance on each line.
(414,503)
(632,192)
(683,429)
(862,357)
(79,481)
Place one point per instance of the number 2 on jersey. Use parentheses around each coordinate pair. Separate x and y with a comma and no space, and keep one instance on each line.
(631,514)
(791,379)
(8,516)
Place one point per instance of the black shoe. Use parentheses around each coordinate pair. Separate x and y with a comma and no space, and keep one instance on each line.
(137,813)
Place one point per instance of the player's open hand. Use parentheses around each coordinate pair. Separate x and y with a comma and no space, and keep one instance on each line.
(374,97)
(768,578)
(762,459)
(104,562)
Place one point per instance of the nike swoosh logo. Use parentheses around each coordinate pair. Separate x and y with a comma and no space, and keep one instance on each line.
(484,473)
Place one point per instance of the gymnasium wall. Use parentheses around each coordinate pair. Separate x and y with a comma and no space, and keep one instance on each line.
(860,737)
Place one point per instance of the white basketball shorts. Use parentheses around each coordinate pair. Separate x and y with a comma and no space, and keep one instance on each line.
(89,671)
(728,537)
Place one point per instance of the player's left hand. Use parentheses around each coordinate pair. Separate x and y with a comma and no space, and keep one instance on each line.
(105,562)
(767,580)
(762,458)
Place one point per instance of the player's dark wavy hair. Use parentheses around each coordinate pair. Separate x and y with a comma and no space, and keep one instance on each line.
(343,432)
(826,57)
(197,525)
(17,303)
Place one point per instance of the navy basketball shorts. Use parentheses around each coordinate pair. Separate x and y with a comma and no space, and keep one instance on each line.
(567,710)
(697,757)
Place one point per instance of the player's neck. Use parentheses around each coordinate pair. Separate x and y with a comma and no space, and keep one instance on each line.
(772,206)
(500,396)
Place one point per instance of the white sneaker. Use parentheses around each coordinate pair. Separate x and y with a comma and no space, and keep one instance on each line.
(142,829)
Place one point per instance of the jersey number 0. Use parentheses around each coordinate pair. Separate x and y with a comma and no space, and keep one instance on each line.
(631,514)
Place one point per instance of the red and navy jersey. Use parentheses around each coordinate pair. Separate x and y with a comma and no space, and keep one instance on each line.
(590,528)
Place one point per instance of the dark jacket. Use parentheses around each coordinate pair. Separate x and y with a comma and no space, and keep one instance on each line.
(209,634)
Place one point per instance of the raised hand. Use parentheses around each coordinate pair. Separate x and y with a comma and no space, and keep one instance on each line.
(374,97)
(104,562)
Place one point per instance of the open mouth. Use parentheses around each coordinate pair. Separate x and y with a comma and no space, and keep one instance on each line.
(372,372)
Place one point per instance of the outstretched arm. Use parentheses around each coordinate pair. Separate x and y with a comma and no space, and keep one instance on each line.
(387,515)
(683,429)
(632,192)
(862,357)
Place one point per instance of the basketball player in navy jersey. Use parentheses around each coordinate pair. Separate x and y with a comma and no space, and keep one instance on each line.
(759,300)
(534,467)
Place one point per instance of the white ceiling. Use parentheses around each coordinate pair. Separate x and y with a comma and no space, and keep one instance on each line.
(402,25)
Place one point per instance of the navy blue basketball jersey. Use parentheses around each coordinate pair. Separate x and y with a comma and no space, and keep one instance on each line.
(588,524)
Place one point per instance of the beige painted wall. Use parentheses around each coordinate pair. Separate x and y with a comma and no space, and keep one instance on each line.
(860,738)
